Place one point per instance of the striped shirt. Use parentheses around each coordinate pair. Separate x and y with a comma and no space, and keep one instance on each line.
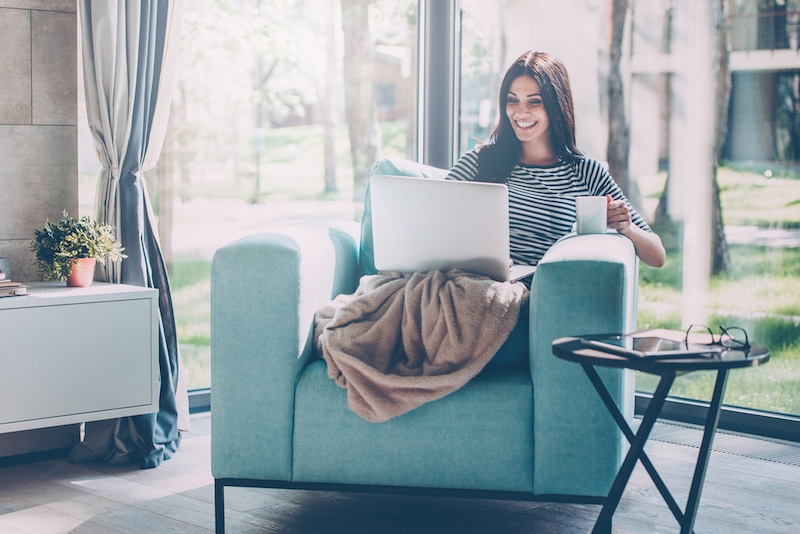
(541,200)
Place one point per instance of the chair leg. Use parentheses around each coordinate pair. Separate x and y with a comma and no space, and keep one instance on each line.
(219,507)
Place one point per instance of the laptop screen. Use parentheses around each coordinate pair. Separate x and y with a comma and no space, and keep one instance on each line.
(422,224)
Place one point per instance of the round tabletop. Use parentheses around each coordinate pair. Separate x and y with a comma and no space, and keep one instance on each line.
(575,349)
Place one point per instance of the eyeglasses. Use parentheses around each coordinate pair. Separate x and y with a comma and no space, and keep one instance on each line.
(732,337)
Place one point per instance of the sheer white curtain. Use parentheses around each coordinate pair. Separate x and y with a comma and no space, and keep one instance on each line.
(129,52)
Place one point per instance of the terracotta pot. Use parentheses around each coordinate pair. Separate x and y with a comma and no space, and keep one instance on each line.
(82,272)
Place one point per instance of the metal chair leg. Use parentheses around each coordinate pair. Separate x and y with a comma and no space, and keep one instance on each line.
(219,507)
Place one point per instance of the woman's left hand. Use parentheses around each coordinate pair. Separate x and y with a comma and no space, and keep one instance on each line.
(619,215)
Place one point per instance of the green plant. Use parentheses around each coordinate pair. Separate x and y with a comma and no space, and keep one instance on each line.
(56,245)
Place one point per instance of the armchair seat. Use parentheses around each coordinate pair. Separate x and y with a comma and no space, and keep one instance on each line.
(531,430)
(461,441)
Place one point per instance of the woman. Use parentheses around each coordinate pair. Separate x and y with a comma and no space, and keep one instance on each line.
(533,152)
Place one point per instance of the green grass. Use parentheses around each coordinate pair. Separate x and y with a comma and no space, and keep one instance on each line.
(759,294)
(190,281)
(761,281)
(771,387)
(748,197)
(752,200)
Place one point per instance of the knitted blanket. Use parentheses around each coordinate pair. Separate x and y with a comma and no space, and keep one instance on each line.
(404,339)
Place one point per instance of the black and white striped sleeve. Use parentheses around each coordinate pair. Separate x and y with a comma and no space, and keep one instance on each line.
(600,183)
(466,168)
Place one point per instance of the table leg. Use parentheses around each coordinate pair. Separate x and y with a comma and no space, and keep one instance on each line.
(703,456)
(622,423)
(636,451)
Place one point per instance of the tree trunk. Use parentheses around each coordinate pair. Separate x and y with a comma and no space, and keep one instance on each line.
(328,101)
(720,258)
(618,132)
(360,108)
(661,216)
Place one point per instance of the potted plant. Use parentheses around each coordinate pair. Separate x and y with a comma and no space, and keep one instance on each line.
(69,249)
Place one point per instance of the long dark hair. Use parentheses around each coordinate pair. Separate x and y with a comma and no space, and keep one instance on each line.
(496,159)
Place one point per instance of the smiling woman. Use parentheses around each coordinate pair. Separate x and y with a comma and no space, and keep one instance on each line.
(532,150)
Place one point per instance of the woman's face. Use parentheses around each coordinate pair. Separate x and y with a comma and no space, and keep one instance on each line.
(525,110)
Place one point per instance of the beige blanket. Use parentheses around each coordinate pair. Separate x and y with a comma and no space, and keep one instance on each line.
(402,340)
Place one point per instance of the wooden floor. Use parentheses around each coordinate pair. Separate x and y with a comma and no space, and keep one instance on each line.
(743,493)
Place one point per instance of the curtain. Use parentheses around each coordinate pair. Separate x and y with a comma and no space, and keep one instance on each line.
(129,51)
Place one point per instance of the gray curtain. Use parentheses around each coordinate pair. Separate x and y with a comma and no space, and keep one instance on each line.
(129,50)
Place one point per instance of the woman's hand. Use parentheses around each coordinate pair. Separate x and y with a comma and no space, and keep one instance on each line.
(619,215)
(647,244)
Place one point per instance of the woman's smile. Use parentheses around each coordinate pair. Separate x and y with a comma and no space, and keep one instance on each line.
(525,124)
(525,110)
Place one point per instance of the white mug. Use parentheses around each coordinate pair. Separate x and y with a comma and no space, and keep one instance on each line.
(591,215)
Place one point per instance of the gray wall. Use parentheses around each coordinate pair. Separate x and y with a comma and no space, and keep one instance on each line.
(38,122)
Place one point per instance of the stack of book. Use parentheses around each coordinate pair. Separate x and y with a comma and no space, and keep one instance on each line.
(9,288)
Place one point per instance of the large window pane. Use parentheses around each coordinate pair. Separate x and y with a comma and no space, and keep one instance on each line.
(258,135)
(757,181)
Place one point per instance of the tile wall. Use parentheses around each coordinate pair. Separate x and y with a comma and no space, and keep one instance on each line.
(38,122)
(38,149)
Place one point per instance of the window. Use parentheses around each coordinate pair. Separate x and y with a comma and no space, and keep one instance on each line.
(757,180)
(258,135)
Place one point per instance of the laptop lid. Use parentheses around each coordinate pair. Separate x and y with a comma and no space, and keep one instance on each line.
(421,224)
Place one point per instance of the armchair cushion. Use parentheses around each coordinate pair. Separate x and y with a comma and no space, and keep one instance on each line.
(466,440)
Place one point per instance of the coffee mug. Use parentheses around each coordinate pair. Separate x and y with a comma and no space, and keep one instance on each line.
(591,215)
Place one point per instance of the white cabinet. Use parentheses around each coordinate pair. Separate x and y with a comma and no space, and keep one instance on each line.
(71,355)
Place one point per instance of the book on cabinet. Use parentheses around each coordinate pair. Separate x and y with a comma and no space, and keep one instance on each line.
(12,289)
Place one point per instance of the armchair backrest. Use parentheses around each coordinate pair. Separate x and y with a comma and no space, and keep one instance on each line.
(394,167)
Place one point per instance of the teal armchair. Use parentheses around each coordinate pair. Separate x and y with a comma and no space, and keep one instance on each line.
(532,431)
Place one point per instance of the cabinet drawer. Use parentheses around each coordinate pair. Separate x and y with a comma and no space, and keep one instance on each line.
(79,361)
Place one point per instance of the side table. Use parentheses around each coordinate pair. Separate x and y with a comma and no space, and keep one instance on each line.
(575,350)
(72,355)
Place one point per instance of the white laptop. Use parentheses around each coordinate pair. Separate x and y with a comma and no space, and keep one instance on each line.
(423,224)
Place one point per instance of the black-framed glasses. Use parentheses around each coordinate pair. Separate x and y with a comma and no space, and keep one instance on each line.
(732,337)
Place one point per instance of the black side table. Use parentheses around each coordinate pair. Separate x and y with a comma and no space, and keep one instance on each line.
(573,349)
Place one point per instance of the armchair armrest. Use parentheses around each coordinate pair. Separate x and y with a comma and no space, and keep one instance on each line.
(265,289)
(584,284)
